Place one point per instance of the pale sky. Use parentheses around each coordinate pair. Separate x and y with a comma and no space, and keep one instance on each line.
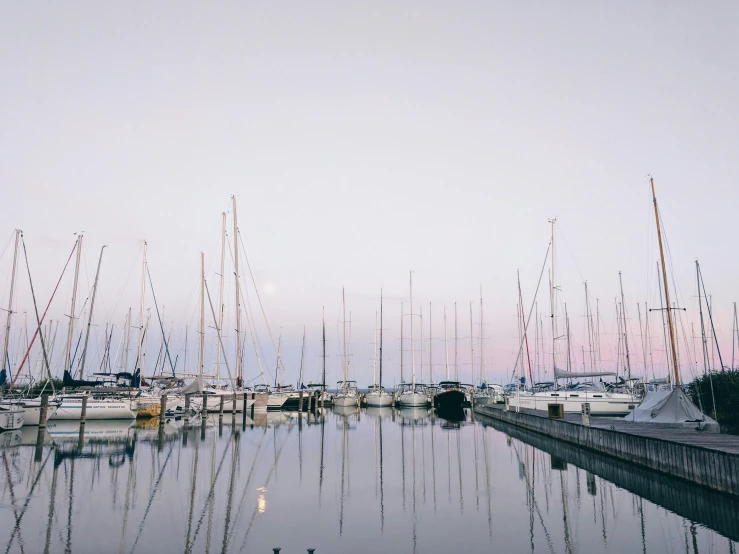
(363,141)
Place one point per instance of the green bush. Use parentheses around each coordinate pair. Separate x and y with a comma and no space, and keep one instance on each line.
(725,391)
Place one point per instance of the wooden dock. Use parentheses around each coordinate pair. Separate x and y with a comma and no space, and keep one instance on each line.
(707,459)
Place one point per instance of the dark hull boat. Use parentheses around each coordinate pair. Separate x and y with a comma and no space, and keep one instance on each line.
(450,397)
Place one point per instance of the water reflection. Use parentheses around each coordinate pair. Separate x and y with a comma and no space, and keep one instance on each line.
(339,480)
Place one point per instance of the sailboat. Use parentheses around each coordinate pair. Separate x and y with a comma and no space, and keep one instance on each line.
(97,406)
(376,395)
(324,397)
(602,402)
(412,394)
(449,395)
(347,394)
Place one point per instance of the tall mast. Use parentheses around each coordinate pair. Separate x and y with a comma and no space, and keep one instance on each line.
(141,314)
(323,326)
(456,340)
(482,354)
(667,290)
(626,333)
(201,352)
(127,326)
(413,348)
(446,348)
(472,347)
(220,297)
(380,339)
(401,342)
(431,365)
(420,311)
(523,324)
(343,357)
(239,370)
(553,298)
(302,360)
(664,326)
(89,317)
(70,333)
(733,333)
(567,324)
(10,301)
(374,355)
(643,344)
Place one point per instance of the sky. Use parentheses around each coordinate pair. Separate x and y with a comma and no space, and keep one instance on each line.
(363,141)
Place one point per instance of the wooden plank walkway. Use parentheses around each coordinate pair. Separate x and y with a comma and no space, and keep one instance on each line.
(689,436)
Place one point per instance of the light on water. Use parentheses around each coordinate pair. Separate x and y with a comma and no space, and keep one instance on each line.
(343,480)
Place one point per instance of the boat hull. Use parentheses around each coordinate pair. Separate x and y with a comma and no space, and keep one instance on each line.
(449,400)
(413,399)
(71,409)
(12,417)
(601,404)
(341,400)
(379,400)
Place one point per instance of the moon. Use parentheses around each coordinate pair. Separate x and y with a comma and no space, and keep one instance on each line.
(270,288)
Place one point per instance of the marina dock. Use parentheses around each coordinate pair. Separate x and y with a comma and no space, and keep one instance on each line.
(707,459)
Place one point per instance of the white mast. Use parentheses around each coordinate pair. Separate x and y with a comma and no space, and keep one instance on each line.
(472,347)
(431,365)
(239,369)
(456,341)
(553,301)
(10,300)
(202,315)
(413,349)
(141,314)
(446,347)
(420,311)
(343,356)
(401,342)
(220,297)
(70,333)
(483,378)
(127,327)
(374,357)
(89,317)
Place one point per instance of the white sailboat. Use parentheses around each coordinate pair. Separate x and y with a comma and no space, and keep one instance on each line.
(377,396)
(412,394)
(602,402)
(347,394)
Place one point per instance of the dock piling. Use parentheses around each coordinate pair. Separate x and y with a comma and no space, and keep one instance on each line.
(44,410)
(204,410)
(83,415)
(187,407)
(163,407)
(586,414)
(220,409)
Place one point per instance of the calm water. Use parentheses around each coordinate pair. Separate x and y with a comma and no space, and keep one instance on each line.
(375,480)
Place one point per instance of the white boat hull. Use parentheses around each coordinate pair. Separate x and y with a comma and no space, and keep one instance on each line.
(379,400)
(276,400)
(601,404)
(71,409)
(12,417)
(413,399)
(33,410)
(346,400)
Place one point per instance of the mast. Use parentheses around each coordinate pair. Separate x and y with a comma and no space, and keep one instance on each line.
(413,348)
(127,326)
(664,327)
(141,314)
(374,355)
(10,301)
(401,342)
(89,317)
(343,357)
(567,324)
(626,333)
(70,333)
(523,323)
(381,347)
(472,347)
(446,348)
(643,343)
(553,300)
(220,297)
(667,291)
(420,311)
(201,352)
(302,359)
(431,365)
(239,369)
(456,340)
(733,333)
(482,354)
(323,326)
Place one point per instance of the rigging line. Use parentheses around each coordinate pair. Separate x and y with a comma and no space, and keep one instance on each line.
(161,326)
(249,323)
(533,303)
(20,367)
(5,248)
(710,318)
(215,322)
(264,314)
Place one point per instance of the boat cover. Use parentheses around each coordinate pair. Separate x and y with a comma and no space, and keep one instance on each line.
(195,386)
(668,407)
(560,374)
(3,377)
